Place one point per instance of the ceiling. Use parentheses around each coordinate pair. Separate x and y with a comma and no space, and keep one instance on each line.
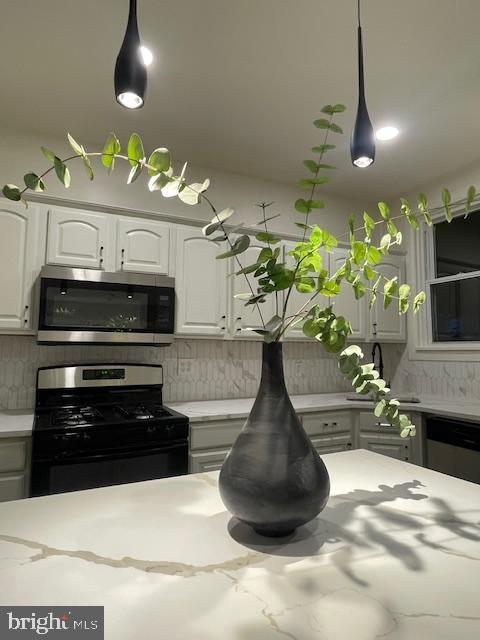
(236,84)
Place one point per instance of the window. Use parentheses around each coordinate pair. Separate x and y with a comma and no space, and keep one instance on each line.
(454,286)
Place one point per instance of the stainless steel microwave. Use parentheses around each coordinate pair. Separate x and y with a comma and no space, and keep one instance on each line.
(86,306)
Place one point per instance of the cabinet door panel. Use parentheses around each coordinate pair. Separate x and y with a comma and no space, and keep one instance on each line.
(200,284)
(22,238)
(77,238)
(13,455)
(345,304)
(387,324)
(243,318)
(332,444)
(143,246)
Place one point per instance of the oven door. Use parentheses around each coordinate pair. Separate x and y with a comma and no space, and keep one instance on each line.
(122,467)
(85,306)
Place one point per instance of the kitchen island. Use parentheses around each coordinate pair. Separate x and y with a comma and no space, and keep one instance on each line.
(395,554)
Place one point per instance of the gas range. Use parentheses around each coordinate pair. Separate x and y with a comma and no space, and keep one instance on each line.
(97,425)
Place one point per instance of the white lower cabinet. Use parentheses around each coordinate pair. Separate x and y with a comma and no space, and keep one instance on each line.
(14,468)
(329,431)
(22,252)
(200,285)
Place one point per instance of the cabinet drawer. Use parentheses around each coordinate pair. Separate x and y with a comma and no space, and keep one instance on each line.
(13,455)
(12,487)
(369,422)
(327,422)
(207,461)
(219,434)
(332,444)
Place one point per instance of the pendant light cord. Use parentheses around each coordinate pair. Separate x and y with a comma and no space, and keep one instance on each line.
(358,13)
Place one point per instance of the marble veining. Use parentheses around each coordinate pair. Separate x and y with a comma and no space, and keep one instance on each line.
(394,555)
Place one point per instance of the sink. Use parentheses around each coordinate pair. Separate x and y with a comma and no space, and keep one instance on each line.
(357,397)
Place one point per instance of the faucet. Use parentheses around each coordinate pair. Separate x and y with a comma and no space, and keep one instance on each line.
(378,346)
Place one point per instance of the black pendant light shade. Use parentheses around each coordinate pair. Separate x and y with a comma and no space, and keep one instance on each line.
(130,69)
(362,144)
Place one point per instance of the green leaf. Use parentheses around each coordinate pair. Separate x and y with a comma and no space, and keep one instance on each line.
(302,206)
(110,148)
(351,227)
(63,174)
(240,245)
(418,301)
(34,182)
(190,194)
(446,199)
(135,171)
(250,269)
(369,224)
(272,327)
(404,298)
(384,210)
(390,288)
(316,204)
(322,148)
(302,225)
(160,160)
(329,288)
(408,213)
(373,255)
(88,167)
(311,165)
(307,183)
(264,236)
(48,154)
(79,150)
(12,192)
(359,289)
(423,208)
(359,251)
(159,181)
(135,150)
(368,272)
(322,123)
(332,109)
(335,128)
(471,193)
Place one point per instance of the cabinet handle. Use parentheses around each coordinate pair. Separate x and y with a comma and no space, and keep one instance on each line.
(383,424)
(349,445)
(122,254)
(334,424)
(374,325)
(325,424)
(101,251)
(223,317)
(239,318)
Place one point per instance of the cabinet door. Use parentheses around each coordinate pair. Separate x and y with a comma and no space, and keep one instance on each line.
(392,446)
(387,324)
(12,487)
(200,285)
(143,246)
(207,461)
(243,319)
(345,304)
(22,247)
(78,238)
(296,299)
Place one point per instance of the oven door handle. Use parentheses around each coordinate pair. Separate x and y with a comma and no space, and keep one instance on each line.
(115,454)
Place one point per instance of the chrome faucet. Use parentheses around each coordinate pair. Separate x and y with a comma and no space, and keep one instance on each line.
(378,346)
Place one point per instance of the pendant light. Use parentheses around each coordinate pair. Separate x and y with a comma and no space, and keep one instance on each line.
(362,144)
(130,69)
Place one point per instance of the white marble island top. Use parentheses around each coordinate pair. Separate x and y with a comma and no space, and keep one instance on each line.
(396,554)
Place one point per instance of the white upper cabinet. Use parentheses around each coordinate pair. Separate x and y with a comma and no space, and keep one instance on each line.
(200,285)
(79,238)
(296,299)
(143,246)
(345,304)
(22,249)
(386,324)
(243,319)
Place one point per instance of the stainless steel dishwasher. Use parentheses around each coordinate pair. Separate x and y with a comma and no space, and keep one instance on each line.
(453,447)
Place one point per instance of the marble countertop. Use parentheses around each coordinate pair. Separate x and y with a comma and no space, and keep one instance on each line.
(14,424)
(205,410)
(395,554)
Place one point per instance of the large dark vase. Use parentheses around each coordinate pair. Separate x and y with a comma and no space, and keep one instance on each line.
(273,479)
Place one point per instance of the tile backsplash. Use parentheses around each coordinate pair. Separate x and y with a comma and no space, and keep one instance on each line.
(193,369)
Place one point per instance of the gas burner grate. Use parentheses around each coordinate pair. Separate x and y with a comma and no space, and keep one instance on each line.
(76,416)
(142,411)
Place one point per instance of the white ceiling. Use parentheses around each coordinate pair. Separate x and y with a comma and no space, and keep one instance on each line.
(236,83)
